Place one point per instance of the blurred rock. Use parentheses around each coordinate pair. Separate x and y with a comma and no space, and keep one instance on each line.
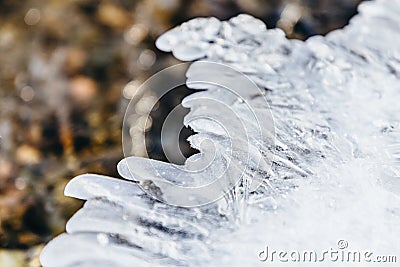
(136,34)
(27,155)
(28,238)
(6,170)
(32,17)
(33,256)
(12,208)
(76,60)
(12,258)
(113,16)
(83,89)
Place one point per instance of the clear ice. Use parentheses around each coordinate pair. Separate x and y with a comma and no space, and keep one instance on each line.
(336,170)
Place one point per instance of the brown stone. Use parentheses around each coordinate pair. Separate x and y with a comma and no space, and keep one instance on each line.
(27,155)
(113,16)
(83,89)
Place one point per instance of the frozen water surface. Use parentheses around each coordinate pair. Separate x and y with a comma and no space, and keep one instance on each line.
(335,174)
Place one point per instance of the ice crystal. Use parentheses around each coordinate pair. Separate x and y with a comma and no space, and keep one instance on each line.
(335,174)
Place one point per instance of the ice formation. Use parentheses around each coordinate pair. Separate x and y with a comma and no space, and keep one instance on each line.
(335,175)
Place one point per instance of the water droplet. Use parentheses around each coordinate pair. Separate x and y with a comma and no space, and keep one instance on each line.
(27,93)
(147,58)
(131,89)
(136,34)
(20,183)
(32,17)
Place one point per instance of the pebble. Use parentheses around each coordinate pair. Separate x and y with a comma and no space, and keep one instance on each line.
(83,89)
(75,61)
(12,258)
(6,168)
(113,16)
(27,155)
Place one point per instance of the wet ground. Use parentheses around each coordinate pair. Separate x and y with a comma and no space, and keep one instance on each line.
(67,71)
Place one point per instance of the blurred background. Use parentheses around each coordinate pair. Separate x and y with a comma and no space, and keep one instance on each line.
(67,72)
